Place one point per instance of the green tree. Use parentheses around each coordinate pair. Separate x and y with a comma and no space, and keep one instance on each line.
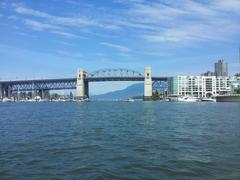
(155,96)
(55,96)
(237,91)
(71,95)
(29,95)
(237,75)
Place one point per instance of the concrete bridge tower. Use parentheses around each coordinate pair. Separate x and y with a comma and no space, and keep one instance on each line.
(148,83)
(82,85)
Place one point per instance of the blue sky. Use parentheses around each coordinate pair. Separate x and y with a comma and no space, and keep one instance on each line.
(52,38)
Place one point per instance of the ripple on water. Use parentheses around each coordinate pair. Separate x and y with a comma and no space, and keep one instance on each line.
(113,140)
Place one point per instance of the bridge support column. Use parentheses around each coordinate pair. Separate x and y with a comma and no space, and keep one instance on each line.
(44,94)
(4,92)
(86,89)
(82,85)
(148,84)
(9,92)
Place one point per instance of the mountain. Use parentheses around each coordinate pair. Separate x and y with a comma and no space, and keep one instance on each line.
(131,91)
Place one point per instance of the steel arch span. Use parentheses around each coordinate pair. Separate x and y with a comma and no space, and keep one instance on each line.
(118,72)
(81,84)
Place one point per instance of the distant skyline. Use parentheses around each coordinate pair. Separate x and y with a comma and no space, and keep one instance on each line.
(52,38)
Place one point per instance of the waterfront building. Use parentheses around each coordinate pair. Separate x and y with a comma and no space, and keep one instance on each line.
(221,68)
(208,73)
(198,86)
(235,84)
(223,85)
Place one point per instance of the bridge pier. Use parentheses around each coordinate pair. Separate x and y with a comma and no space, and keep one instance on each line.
(147,83)
(4,92)
(43,93)
(8,92)
(86,84)
(82,85)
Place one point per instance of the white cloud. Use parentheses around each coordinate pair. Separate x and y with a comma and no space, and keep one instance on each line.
(35,25)
(187,33)
(129,1)
(184,21)
(116,46)
(27,11)
(26,34)
(155,12)
(69,54)
(159,54)
(63,21)
(64,43)
(38,26)
(65,34)
(228,5)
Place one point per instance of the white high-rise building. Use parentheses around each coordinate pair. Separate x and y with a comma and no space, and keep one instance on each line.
(198,86)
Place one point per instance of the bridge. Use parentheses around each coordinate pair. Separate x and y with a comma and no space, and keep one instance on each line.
(81,82)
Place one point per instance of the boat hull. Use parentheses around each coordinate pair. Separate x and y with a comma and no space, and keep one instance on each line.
(229,98)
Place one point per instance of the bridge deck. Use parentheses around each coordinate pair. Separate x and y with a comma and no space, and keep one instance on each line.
(89,79)
(63,83)
(38,81)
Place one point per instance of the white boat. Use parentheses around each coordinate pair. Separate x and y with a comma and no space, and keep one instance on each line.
(79,100)
(82,100)
(173,99)
(208,100)
(31,100)
(166,99)
(6,100)
(129,100)
(188,99)
(37,98)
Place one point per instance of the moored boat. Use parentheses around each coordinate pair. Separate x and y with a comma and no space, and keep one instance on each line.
(208,100)
(187,99)
(129,100)
(6,100)
(228,98)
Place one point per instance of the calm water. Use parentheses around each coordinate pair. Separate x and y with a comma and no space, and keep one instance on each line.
(119,140)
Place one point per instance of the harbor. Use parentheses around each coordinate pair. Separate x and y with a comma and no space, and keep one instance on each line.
(120,90)
(217,86)
(223,98)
